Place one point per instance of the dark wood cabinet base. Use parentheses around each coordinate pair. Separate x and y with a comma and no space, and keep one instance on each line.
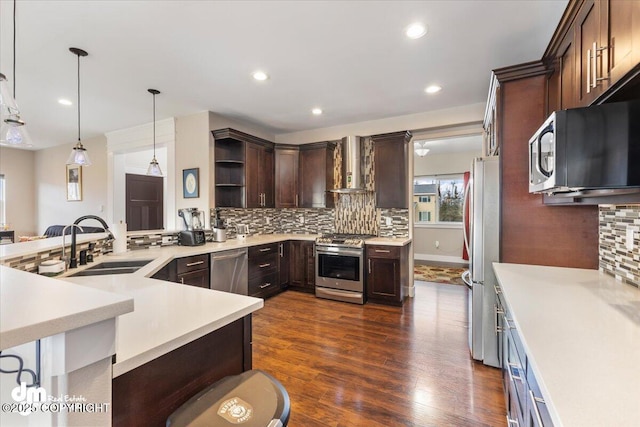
(147,395)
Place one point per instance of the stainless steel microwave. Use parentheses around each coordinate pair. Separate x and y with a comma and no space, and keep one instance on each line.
(590,148)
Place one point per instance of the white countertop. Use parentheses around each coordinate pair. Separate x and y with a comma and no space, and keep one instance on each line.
(581,332)
(34,307)
(388,241)
(167,315)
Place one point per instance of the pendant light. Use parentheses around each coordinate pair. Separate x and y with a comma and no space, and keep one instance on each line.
(13,131)
(79,154)
(420,148)
(154,167)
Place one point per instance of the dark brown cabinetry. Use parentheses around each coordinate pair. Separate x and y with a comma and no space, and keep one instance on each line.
(283,263)
(386,273)
(193,271)
(286,176)
(259,176)
(595,48)
(263,275)
(302,266)
(316,175)
(530,231)
(244,170)
(391,168)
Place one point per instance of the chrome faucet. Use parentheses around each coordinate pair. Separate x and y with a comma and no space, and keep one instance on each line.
(73,262)
(64,233)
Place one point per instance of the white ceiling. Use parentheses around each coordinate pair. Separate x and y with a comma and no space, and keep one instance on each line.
(350,58)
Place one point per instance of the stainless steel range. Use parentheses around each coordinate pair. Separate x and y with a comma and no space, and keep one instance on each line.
(339,267)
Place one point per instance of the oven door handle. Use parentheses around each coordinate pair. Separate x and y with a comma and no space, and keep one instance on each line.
(339,251)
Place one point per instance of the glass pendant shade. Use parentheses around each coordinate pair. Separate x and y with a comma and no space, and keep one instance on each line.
(420,149)
(8,105)
(154,168)
(79,156)
(14,132)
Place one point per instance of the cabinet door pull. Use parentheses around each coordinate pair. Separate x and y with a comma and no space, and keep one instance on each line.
(191,264)
(597,49)
(281,249)
(266,285)
(265,265)
(265,249)
(510,422)
(382,251)
(296,200)
(182,280)
(588,70)
(369,261)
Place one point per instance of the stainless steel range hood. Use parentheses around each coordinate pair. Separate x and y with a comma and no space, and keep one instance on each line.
(352,179)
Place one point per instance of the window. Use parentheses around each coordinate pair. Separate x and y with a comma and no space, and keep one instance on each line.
(438,199)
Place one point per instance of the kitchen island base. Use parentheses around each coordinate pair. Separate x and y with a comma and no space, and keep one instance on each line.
(148,394)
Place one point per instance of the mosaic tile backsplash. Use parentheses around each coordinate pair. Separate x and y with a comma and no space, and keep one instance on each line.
(615,258)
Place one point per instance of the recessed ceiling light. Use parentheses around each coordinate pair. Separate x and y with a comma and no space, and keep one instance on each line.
(260,75)
(433,89)
(64,101)
(415,31)
(317,111)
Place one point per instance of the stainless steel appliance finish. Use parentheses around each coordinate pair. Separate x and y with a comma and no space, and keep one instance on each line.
(483,244)
(587,149)
(229,271)
(339,267)
(219,227)
(352,180)
(192,217)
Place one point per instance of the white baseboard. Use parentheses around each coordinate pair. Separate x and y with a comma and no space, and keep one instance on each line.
(440,258)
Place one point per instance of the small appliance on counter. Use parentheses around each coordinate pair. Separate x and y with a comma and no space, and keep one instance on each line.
(219,227)
(192,238)
(193,235)
(242,231)
(51,267)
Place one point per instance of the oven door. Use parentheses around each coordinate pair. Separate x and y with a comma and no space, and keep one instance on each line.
(339,268)
(542,157)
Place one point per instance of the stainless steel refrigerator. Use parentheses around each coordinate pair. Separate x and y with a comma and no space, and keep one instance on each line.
(482,195)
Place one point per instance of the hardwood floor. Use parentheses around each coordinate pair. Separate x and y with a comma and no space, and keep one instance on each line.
(373,365)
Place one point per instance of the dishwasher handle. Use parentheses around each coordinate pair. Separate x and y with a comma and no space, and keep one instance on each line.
(227,255)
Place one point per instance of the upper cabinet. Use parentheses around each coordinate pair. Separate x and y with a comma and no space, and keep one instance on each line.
(316,175)
(391,157)
(287,176)
(244,170)
(596,48)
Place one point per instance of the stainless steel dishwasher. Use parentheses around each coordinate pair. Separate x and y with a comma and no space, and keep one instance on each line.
(229,271)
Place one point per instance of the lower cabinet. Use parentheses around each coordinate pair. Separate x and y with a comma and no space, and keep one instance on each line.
(525,405)
(264,280)
(193,271)
(386,273)
(302,271)
(283,263)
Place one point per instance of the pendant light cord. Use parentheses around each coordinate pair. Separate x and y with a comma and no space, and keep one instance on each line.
(79,99)
(154,125)
(14,49)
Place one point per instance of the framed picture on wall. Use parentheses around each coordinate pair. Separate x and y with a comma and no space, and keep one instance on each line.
(74,183)
(190,183)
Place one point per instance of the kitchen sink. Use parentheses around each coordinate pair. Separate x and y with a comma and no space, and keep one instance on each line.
(112,267)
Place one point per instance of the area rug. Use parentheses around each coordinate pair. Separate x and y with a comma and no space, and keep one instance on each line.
(432,273)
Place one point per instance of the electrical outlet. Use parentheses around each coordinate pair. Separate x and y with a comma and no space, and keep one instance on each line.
(301,219)
(388,221)
(267,220)
(437,244)
(629,237)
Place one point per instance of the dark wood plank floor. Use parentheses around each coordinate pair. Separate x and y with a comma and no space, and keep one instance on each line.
(373,365)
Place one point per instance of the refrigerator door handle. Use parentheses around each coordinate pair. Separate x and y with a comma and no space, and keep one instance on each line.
(465,203)
(466,278)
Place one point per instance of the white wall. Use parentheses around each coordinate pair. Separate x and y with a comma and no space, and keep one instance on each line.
(17,166)
(433,119)
(50,177)
(445,163)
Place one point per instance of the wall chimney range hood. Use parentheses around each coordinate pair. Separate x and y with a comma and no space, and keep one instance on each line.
(352,179)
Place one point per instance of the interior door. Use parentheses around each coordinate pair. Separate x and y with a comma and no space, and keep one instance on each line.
(144,202)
